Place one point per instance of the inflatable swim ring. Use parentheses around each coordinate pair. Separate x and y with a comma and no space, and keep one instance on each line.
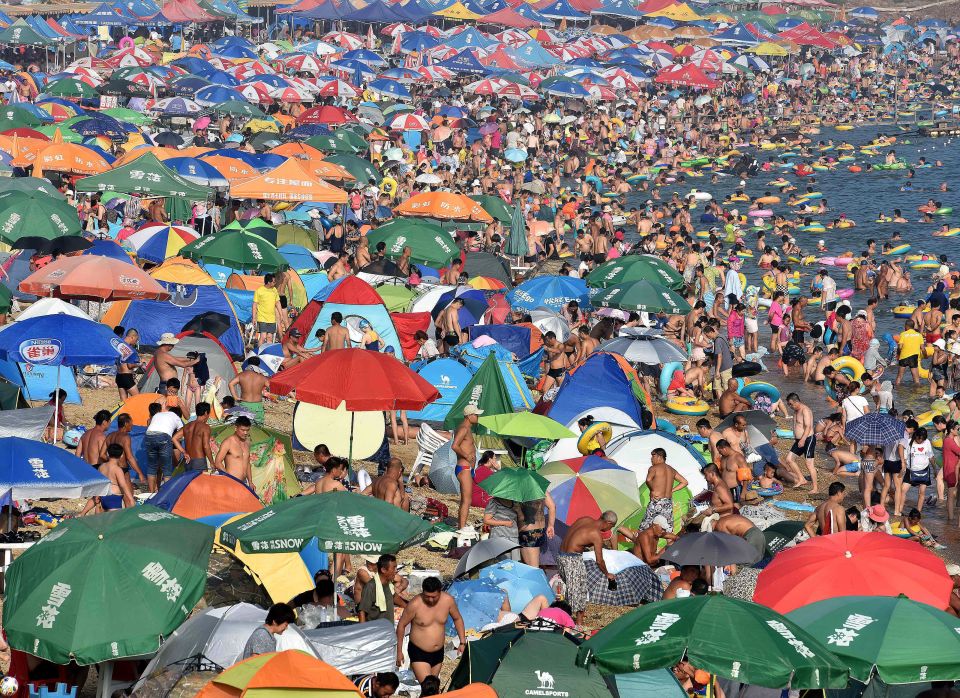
(587,443)
(785,433)
(904,310)
(899,249)
(666,375)
(761,387)
(687,405)
(772,491)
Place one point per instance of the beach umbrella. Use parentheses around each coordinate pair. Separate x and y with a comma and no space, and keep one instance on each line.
(525,424)
(515,485)
(733,639)
(443,206)
(780,535)
(644,349)
(176,106)
(240,108)
(496,207)
(852,563)
(342,522)
(390,88)
(326,114)
(641,296)
(33,470)
(59,604)
(275,674)
(71,88)
(361,169)
(481,552)
(552,292)
(589,486)
(159,242)
(902,640)
(711,548)
(479,602)
(876,429)
(521,583)
(198,171)
(517,244)
(30,214)
(92,277)
(636,268)
(429,243)
(408,122)
(238,249)
(474,305)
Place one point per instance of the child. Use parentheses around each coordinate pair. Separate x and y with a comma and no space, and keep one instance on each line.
(910,524)
(768,480)
(678,386)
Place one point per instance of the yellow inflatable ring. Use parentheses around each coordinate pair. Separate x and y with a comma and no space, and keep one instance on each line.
(855,369)
(687,405)
(587,443)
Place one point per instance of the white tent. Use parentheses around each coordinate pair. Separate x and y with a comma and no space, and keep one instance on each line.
(51,306)
(632,450)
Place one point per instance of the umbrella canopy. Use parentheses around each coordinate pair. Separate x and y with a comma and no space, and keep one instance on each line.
(291,672)
(525,424)
(636,268)
(552,292)
(32,214)
(876,429)
(482,552)
(445,206)
(641,296)
(61,339)
(734,639)
(94,277)
(429,243)
(56,606)
(853,563)
(520,582)
(479,602)
(363,380)
(34,470)
(157,243)
(711,548)
(516,485)
(238,249)
(644,349)
(342,522)
(903,640)
(589,486)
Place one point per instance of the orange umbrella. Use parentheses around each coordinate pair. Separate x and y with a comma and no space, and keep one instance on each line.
(328,170)
(231,168)
(94,277)
(295,149)
(443,205)
(473,690)
(71,158)
(191,151)
(23,149)
(138,407)
(287,182)
(276,674)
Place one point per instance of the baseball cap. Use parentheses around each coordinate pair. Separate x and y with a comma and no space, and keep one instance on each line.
(661,521)
(471,410)
(295,332)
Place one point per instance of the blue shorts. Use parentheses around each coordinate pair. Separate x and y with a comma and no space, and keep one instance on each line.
(111,502)
(159,448)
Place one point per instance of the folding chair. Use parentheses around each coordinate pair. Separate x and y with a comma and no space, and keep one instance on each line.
(428,441)
(89,376)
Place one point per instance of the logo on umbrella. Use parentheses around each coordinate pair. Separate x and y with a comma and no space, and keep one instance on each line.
(40,351)
(50,610)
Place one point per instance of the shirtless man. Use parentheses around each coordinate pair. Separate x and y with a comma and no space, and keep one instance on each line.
(452,275)
(90,443)
(293,351)
(805,443)
(121,494)
(741,526)
(389,486)
(196,439)
(427,614)
(466,450)
(337,336)
(585,532)
(646,543)
(662,481)
(682,584)
(556,359)
(736,434)
(730,463)
(586,346)
(721,502)
(166,363)
(122,437)
(252,383)
(233,457)
(830,516)
(730,400)
(340,268)
(449,322)
(707,432)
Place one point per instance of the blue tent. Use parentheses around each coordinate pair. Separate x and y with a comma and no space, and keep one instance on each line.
(513,338)
(597,382)
(527,11)
(299,258)
(37,381)
(449,377)
(737,35)
(473,357)
(108,248)
(314,282)
(465,62)
(414,10)
(374,12)
(562,9)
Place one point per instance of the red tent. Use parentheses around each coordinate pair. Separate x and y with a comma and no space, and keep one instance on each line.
(773,10)
(407,325)
(806,35)
(508,17)
(585,6)
(184,11)
(686,75)
(326,114)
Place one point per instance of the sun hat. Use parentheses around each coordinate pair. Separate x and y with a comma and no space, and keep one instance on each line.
(167,339)
(878,514)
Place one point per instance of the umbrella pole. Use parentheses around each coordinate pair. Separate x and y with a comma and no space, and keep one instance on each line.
(350,452)
(56,405)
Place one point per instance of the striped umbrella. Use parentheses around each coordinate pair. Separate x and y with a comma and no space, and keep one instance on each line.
(156,243)
(589,486)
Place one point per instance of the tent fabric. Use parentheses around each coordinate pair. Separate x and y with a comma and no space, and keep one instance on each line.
(488,264)
(473,357)
(193,294)
(513,338)
(26,423)
(449,377)
(487,390)
(196,494)
(38,381)
(271,461)
(598,381)
(219,363)
(359,649)
(632,450)
(11,397)
(408,324)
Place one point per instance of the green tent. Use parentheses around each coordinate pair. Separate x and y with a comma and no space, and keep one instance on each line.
(362,169)
(11,398)
(290,234)
(396,297)
(271,461)
(148,176)
(487,390)
(517,662)
(495,206)
(22,34)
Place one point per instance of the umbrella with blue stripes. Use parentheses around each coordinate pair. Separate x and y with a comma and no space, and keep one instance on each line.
(876,429)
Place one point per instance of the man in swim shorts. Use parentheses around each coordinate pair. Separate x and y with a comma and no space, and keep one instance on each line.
(662,481)
(252,382)
(427,614)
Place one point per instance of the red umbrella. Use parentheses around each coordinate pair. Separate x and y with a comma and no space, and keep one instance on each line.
(853,563)
(366,381)
(326,114)
(687,75)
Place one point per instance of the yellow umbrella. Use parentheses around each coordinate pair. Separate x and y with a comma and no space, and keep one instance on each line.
(768,48)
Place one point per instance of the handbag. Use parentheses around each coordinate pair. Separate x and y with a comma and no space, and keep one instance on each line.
(917,477)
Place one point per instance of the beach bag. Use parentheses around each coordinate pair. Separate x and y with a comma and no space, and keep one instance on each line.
(917,477)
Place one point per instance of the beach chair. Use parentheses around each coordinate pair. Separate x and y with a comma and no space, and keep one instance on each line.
(60,691)
(428,441)
(93,376)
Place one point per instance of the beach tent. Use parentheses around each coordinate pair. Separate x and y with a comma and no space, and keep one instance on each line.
(216,357)
(196,494)
(289,285)
(449,377)
(602,380)
(196,303)
(356,300)
(632,450)
(513,338)
(490,265)
(11,397)
(474,357)
(271,461)
(27,423)
(407,325)
(38,381)
(486,390)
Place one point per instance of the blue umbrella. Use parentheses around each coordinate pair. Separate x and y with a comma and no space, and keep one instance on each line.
(875,429)
(217,94)
(474,304)
(520,582)
(108,248)
(236,52)
(553,292)
(567,88)
(34,470)
(515,154)
(188,85)
(365,56)
(220,77)
(61,340)
(353,65)
(196,170)
(390,88)
(479,603)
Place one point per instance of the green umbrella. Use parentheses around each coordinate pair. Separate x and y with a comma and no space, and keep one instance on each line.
(636,268)
(70,88)
(238,108)
(641,296)
(527,424)
(332,144)
(67,135)
(33,214)
(905,640)
(363,170)
(238,249)
(396,297)
(734,639)
(128,116)
(254,225)
(429,244)
(516,485)
(517,244)
(6,300)
(106,587)
(12,116)
(342,522)
(495,206)
(30,185)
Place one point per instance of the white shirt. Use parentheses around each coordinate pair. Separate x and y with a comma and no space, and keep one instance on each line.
(428,350)
(919,455)
(829,290)
(854,407)
(165,423)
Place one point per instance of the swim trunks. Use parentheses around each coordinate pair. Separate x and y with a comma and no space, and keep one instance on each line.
(421,656)
(255,408)
(573,572)
(657,507)
(805,449)
(533,538)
